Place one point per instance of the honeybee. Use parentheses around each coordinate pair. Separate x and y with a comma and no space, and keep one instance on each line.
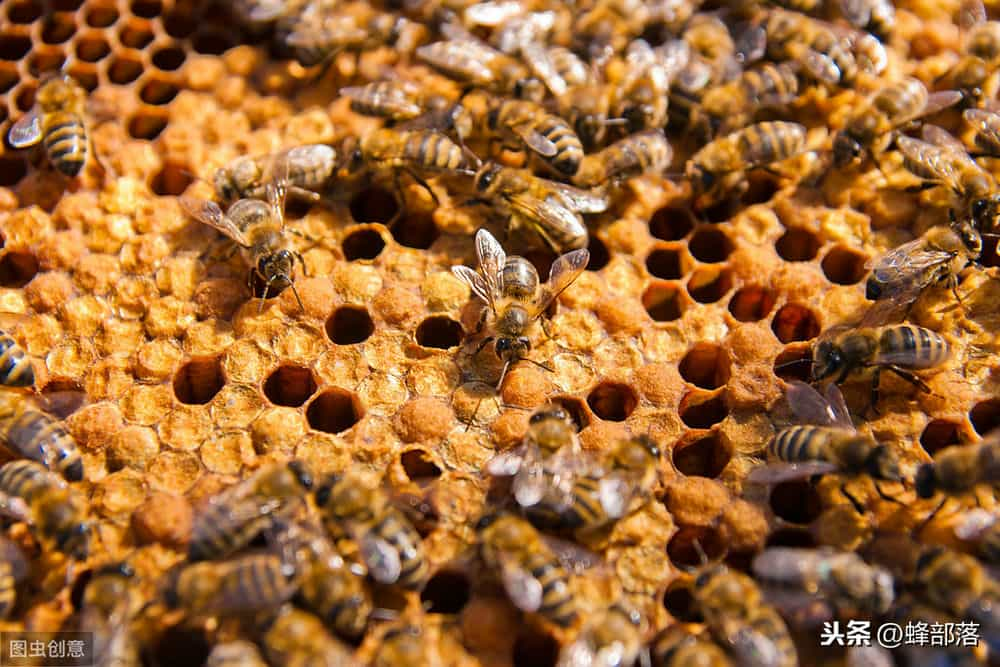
(390,545)
(233,518)
(297,638)
(510,286)
(721,163)
(14,569)
(642,97)
(958,470)
(532,575)
(876,16)
(408,644)
(733,104)
(958,584)
(404,102)
(237,653)
(898,348)
(31,493)
(821,51)
(827,442)
(471,62)
(873,126)
(258,228)
(110,602)
(646,152)
(318,39)
(309,169)
(676,647)
(240,585)
(848,586)
(738,617)
(58,120)
(36,435)
(15,366)
(557,67)
(975,73)
(612,637)
(547,135)
(987,129)
(983,529)
(550,209)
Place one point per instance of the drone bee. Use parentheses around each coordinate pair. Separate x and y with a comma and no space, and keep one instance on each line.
(873,126)
(646,152)
(309,169)
(232,519)
(31,493)
(29,432)
(510,286)
(15,366)
(550,209)
(58,120)
(545,134)
(258,228)
(471,62)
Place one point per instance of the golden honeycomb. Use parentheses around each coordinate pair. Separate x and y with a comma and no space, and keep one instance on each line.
(680,327)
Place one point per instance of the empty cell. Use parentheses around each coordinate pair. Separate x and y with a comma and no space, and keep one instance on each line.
(289,385)
(362,243)
(985,416)
(707,456)
(702,410)
(708,285)
(794,322)
(679,601)
(14,47)
(168,59)
(671,224)
(349,325)
(17,268)
(761,187)
(796,502)
(418,465)
(198,381)
(24,11)
(8,76)
(147,9)
(664,302)
(91,48)
(42,63)
(179,24)
(334,411)
(374,205)
(752,303)
(612,401)
(797,245)
(439,332)
(710,245)
(12,169)
(146,125)
(101,16)
(938,434)
(576,409)
(84,74)
(844,266)
(706,366)
(212,43)
(65,5)
(668,263)
(684,553)
(136,34)
(415,231)
(124,69)
(172,180)
(794,363)
(24,98)
(447,592)
(158,91)
(58,28)
(599,255)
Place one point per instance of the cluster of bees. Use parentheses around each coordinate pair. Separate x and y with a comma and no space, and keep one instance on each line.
(580,101)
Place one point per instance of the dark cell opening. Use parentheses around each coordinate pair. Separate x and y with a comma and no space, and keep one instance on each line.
(24,12)
(844,266)
(576,409)
(101,16)
(289,385)
(599,255)
(664,303)
(57,29)
(416,231)
(684,553)
(710,245)
(751,304)
(40,64)
(720,211)
(667,263)
(374,205)
(794,323)
(797,245)
(25,98)
(985,416)
(158,92)
(181,646)
(12,170)
(698,410)
(365,243)
(447,592)
(8,77)
(439,332)
(679,601)
(147,9)
(938,434)
(796,502)
(705,457)
(146,125)
(794,363)
(534,648)
(124,70)
(671,224)
(86,75)
(709,285)
(14,47)
(706,366)
(349,325)
(92,48)
(334,411)
(135,34)
(198,381)
(791,537)
(65,5)
(172,180)
(419,465)
(212,43)
(761,187)
(169,59)
(17,268)
(612,401)
(179,25)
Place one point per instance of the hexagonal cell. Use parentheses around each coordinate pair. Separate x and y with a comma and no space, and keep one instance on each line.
(710,245)
(684,553)
(418,465)
(761,187)
(24,99)
(668,263)
(990,256)
(533,647)
(101,15)
(12,169)
(599,255)
(612,401)
(752,303)
(707,456)
(136,34)
(985,416)
(124,69)
(147,9)
(362,243)
(374,205)
(24,11)
(844,266)
(702,410)
(938,434)
(794,363)
(14,47)
(179,24)
(415,231)
(679,601)
(8,76)
(796,502)
(709,284)
(199,380)
(797,245)
(92,47)
(17,268)
(671,224)
(65,5)
(334,411)
(349,325)
(147,125)
(169,58)
(58,28)
(289,385)
(212,43)
(84,74)
(447,592)
(575,408)
(158,91)
(172,180)
(43,62)
(439,331)
(794,322)
(706,366)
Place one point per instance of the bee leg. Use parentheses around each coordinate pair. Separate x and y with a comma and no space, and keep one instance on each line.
(503,375)
(923,524)
(297,298)
(484,343)
(544,322)
(302,193)
(911,378)
(544,367)
(400,200)
(858,506)
(874,391)
(416,177)
(885,496)
(298,256)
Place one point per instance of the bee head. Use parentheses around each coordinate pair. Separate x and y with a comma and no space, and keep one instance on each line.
(512,348)
(224,185)
(846,149)
(701,179)
(75,540)
(74,471)
(301,472)
(493,117)
(530,89)
(925,481)
(873,288)
(827,360)
(277,266)
(648,444)
(549,412)
(325,488)
(486,176)
(984,212)
(883,464)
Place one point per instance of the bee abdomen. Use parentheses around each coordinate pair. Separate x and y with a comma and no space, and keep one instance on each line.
(24,479)
(557,601)
(433,150)
(8,589)
(797,444)
(215,533)
(15,369)
(39,437)
(400,534)
(569,150)
(924,348)
(768,142)
(66,144)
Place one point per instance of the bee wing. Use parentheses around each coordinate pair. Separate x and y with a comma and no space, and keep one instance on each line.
(382,559)
(573,557)
(974,523)
(564,271)
(971,13)
(466,57)
(987,127)
(276,188)
(938,136)
(821,66)
(506,464)
(673,57)
(261,11)
(492,13)
(14,508)
(62,403)
(524,590)
(937,101)
(530,484)
(538,59)
(937,160)
(750,647)
(751,43)
(535,140)
(857,12)
(26,130)
(475,282)
(802,609)
(492,259)
(905,271)
(810,407)
(209,213)
(838,406)
(615,493)
(581,201)
(776,473)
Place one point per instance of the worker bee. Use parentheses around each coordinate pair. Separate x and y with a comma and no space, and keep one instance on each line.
(898,348)
(873,126)
(317,37)
(240,585)
(36,435)
(31,493)
(409,643)
(975,73)
(236,653)
(258,228)
(848,586)
(15,367)
(815,45)
(532,575)
(471,62)
(738,617)
(557,67)
(233,518)
(957,470)
(14,569)
(642,97)
(720,164)
(309,169)
(827,442)
(410,107)
(109,604)
(646,152)
(733,104)
(983,530)
(604,27)
(986,124)
(510,286)
(550,209)
(676,647)
(296,638)
(390,545)
(612,636)
(58,121)
(876,16)
(956,583)
(545,134)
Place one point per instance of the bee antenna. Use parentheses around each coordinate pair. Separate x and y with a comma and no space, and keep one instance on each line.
(702,556)
(297,298)
(794,362)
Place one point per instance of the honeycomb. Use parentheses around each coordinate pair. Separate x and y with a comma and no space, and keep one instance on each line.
(681,327)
